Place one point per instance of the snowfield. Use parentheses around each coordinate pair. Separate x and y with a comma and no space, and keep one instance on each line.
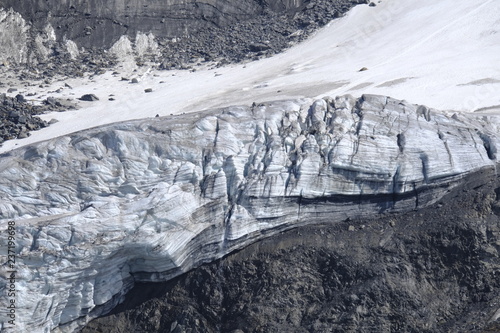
(441,54)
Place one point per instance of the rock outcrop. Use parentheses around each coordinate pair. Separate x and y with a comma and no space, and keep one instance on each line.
(145,201)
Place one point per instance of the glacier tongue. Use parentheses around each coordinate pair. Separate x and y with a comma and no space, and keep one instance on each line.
(147,200)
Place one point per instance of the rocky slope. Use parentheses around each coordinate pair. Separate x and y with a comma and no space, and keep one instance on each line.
(49,35)
(18,117)
(144,201)
(95,24)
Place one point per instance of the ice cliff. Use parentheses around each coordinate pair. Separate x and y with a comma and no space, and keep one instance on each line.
(147,200)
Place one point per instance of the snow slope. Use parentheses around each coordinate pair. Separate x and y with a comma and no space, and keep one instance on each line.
(442,54)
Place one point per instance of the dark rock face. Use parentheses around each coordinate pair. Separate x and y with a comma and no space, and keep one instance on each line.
(106,21)
(431,270)
(222,31)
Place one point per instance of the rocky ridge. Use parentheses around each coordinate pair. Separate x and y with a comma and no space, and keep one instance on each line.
(144,201)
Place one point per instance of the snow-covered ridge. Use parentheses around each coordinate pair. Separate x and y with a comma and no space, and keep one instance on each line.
(146,200)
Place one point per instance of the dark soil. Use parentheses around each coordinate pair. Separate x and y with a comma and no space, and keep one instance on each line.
(432,270)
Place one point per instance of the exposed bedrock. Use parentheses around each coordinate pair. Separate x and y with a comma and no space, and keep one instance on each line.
(143,201)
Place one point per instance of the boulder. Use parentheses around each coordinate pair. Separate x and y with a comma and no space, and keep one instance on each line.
(20,98)
(89,98)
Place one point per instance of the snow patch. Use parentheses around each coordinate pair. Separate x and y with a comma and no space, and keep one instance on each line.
(13,37)
(145,44)
(72,49)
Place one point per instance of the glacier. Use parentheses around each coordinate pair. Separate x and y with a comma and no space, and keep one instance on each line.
(147,200)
